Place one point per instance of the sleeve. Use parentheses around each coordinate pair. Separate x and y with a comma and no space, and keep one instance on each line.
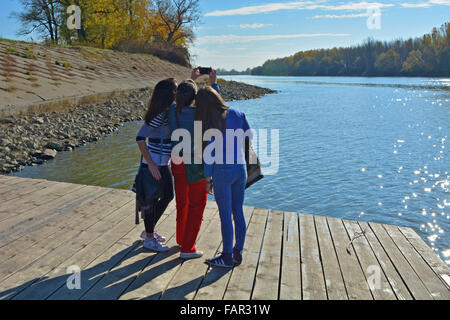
(246,127)
(215,86)
(143,133)
(158,121)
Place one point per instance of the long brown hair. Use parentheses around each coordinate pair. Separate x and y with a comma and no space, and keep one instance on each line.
(211,109)
(186,92)
(163,96)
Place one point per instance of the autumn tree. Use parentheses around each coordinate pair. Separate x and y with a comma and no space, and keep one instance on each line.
(176,19)
(41,16)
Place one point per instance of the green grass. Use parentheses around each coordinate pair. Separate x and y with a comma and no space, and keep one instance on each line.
(13,41)
(11,50)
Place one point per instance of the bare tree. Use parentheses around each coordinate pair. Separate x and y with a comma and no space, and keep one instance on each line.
(179,17)
(39,16)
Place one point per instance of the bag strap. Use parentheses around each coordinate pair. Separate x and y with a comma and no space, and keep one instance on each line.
(177,119)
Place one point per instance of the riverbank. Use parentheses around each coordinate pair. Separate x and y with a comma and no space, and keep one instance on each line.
(35,138)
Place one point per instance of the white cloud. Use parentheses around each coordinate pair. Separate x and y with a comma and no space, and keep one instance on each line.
(344,16)
(416,5)
(242,39)
(300,5)
(442,2)
(265,8)
(255,26)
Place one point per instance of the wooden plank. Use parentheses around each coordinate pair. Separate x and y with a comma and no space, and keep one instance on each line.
(312,271)
(47,213)
(51,282)
(91,212)
(128,246)
(7,190)
(31,205)
(290,284)
(267,280)
(431,281)
(10,180)
(409,277)
(242,279)
(395,280)
(52,259)
(354,278)
(215,282)
(151,278)
(189,275)
(332,271)
(22,189)
(432,259)
(378,283)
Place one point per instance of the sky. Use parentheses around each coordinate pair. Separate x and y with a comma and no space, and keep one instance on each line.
(240,34)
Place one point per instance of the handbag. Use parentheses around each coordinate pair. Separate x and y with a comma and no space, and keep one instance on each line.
(254,171)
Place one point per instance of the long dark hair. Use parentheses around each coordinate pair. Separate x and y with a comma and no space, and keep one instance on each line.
(210,109)
(163,96)
(186,92)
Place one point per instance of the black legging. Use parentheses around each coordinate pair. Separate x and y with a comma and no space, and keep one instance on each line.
(153,214)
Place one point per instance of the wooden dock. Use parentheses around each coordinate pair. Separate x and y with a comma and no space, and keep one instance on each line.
(47,227)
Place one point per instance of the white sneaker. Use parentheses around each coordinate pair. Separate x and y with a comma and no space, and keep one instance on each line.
(191,255)
(154,245)
(158,237)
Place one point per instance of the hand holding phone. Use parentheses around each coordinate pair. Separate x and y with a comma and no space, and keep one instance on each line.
(205,70)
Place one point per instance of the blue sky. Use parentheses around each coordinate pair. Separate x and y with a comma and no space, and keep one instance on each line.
(240,34)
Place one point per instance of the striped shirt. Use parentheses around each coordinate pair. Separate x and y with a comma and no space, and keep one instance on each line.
(154,132)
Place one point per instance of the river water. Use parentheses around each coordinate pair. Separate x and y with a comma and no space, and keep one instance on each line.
(371,149)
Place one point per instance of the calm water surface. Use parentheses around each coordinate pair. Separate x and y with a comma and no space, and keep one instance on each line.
(372,149)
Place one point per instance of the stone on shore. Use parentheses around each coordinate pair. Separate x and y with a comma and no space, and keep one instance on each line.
(48,154)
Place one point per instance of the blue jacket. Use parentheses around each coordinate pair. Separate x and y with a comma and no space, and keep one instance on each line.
(186,118)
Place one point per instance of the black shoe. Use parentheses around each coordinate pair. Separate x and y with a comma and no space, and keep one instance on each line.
(237,257)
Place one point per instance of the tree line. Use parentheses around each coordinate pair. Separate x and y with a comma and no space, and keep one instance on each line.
(425,56)
(131,25)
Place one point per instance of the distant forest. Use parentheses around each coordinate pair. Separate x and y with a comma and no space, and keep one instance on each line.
(425,56)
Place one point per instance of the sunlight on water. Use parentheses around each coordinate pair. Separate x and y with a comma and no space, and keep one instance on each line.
(373,149)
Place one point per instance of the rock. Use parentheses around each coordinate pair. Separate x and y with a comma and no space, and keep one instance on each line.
(38,161)
(5,142)
(54,145)
(140,104)
(38,120)
(48,154)
(8,120)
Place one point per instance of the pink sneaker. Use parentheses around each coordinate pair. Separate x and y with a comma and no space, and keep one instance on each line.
(158,237)
(154,245)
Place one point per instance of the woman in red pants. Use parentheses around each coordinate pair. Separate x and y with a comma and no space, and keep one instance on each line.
(190,184)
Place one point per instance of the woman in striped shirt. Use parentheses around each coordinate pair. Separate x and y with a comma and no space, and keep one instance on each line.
(155,158)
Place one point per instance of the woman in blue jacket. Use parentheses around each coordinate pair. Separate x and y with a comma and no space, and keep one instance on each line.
(228,172)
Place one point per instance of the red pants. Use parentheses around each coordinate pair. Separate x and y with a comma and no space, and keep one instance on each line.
(191,202)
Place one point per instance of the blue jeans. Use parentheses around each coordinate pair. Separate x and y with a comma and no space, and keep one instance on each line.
(229,188)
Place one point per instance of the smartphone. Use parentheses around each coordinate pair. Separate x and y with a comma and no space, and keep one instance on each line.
(205,70)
